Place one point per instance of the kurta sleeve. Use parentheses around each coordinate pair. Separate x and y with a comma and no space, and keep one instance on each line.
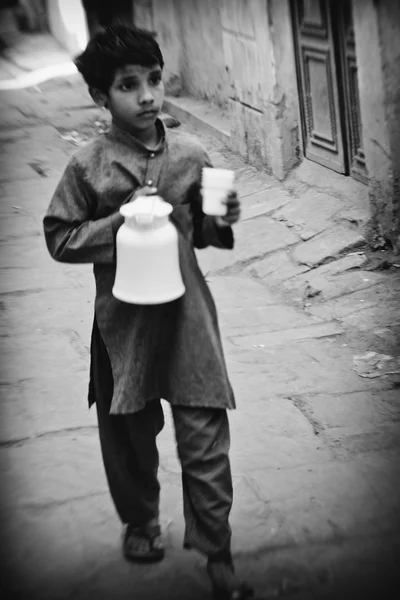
(71,233)
(206,232)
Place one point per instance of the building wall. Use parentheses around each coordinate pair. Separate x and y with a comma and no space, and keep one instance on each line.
(143,13)
(263,94)
(203,62)
(389,25)
(160,16)
(377,30)
(236,54)
(67,23)
(190,36)
(287,114)
(239,53)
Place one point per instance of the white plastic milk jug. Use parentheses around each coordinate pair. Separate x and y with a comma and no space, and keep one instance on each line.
(148,270)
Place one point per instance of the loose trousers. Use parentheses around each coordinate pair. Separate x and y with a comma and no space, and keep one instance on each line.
(131,460)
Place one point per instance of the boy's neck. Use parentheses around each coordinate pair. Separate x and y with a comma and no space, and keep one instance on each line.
(149,137)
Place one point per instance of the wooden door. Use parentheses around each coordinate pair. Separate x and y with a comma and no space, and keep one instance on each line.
(318,83)
(343,16)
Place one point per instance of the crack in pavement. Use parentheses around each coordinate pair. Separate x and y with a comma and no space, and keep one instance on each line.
(242,264)
(301,405)
(268,549)
(76,342)
(25,440)
(21,293)
(40,506)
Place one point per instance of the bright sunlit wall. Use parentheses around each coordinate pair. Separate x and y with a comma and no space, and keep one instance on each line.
(67,22)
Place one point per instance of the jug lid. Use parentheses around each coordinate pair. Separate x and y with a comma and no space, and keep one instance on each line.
(149,206)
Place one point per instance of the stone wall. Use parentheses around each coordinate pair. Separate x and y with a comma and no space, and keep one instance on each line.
(238,54)
(160,16)
(377,30)
(189,33)
(263,94)
(203,62)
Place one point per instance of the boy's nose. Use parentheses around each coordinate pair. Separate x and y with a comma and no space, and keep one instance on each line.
(146,97)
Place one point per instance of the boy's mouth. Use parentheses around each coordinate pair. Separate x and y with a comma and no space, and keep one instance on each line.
(148,114)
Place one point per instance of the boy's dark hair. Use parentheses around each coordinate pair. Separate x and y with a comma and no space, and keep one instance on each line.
(114,47)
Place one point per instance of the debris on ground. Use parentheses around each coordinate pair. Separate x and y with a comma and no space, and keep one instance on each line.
(74,137)
(381,261)
(40,168)
(373,365)
(88,132)
(311,292)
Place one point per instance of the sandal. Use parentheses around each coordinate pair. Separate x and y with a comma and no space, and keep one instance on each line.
(225,584)
(143,544)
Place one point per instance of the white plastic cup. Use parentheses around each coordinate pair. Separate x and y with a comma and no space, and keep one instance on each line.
(216,184)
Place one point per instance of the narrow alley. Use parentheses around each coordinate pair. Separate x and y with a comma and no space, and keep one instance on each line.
(305,321)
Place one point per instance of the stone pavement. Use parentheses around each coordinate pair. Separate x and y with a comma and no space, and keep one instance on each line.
(315,446)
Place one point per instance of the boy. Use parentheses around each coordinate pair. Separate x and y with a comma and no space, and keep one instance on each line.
(140,354)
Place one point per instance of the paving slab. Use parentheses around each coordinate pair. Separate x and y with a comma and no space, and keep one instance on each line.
(374,318)
(357,412)
(57,348)
(40,499)
(300,367)
(39,309)
(238,291)
(20,225)
(29,277)
(33,195)
(329,244)
(348,262)
(43,405)
(35,50)
(313,212)
(253,240)
(363,567)
(265,202)
(276,267)
(338,308)
(12,117)
(41,102)
(385,438)
(331,500)
(285,336)
(31,267)
(52,469)
(86,561)
(356,423)
(259,319)
(26,160)
(312,175)
(326,287)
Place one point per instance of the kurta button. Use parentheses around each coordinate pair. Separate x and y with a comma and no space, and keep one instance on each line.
(150,182)
(152,155)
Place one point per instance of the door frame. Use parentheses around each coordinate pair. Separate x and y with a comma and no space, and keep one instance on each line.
(342,90)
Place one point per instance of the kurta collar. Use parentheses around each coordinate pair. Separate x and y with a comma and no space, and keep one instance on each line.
(130,140)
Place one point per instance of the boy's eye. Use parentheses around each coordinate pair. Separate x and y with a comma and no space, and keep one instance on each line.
(128,85)
(155,79)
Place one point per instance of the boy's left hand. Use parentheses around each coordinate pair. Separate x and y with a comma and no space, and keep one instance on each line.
(233,211)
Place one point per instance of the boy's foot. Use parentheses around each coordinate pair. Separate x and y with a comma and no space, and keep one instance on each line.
(225,584)
(143,544)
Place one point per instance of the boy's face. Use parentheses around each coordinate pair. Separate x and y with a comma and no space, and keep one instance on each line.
(135,97)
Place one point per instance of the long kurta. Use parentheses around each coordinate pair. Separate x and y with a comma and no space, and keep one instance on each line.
(171,351)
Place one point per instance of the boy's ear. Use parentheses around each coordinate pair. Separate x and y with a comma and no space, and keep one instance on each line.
(99,97)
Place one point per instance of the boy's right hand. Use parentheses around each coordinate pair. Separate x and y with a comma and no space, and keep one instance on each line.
(144,191)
